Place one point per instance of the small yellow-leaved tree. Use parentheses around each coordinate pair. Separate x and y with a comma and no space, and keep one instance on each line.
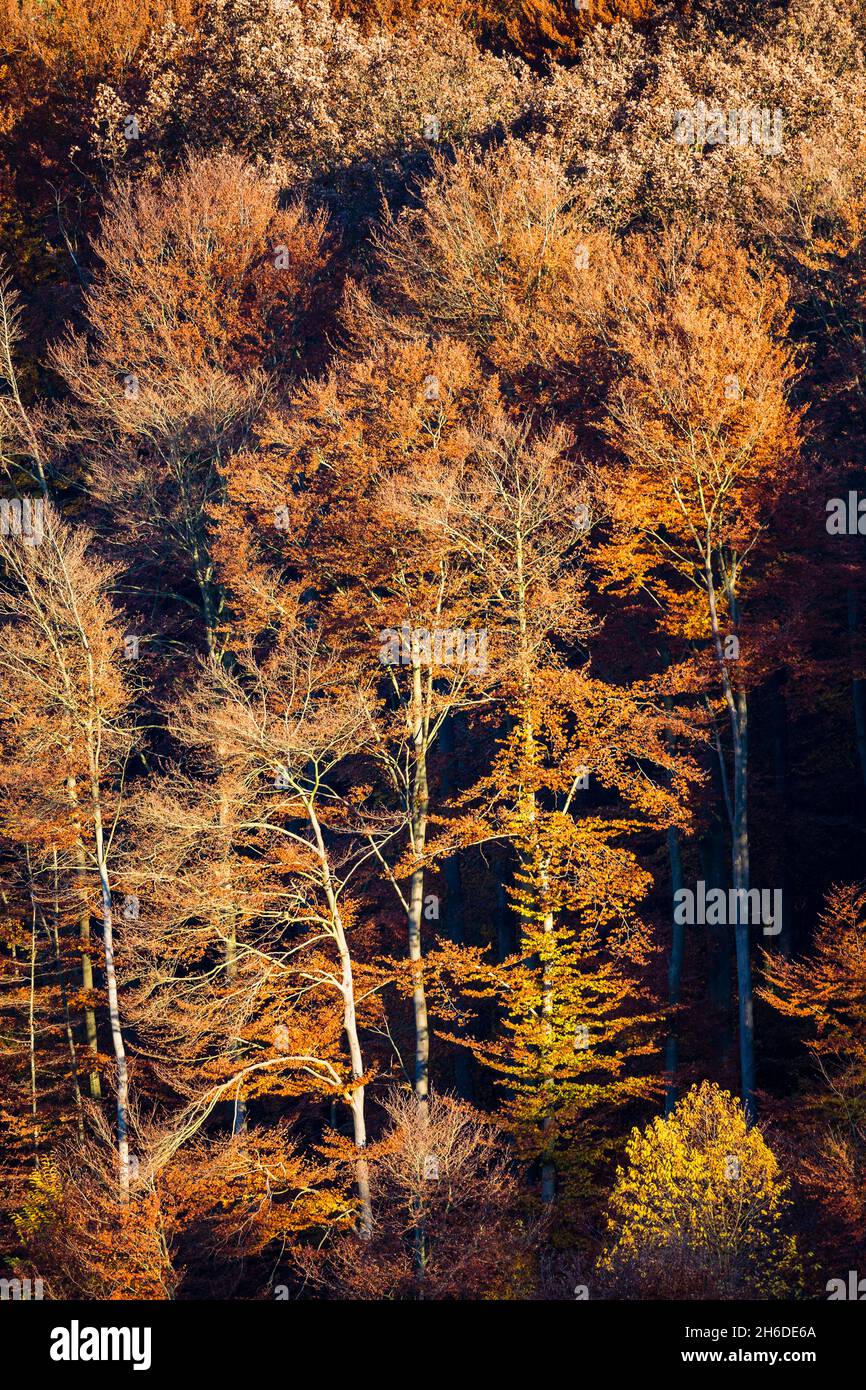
(698,1211)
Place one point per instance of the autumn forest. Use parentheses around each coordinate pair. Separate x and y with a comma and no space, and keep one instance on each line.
(432,650)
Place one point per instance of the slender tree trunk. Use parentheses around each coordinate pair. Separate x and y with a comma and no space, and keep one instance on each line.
(451,866)
(359,1126)
(418,831)
(675,971)
(90,1034)
(203,569)
(505,943)
(738,713)
(228,927)
(741,875)
(678,947)
(464,1076)
(779,744)
(548,1166)
(54,935)
(350,1026)
(714,857)
(31,1017)
(111,986)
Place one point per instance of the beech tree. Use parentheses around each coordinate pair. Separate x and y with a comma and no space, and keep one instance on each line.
(204,294)
(500,254)
(252,868)
(703,420)
(561,732)
(65,697)
(351,494)
(825,991)
(430,524)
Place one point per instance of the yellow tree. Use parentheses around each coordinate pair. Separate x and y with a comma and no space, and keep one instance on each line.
(699,1209)
(566,741)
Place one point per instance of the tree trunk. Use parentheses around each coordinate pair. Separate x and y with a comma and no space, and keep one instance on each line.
(113,1004)
(548,1165)
(713,858)
(31,1015)
(350,1026)
(227,927)
(675,972)
(779,743)
(418,831)
(738,713)
(740,865)
(90,1034)
(54,935)
(464,1071)
(359,1126)
(678,946)
(505,943)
